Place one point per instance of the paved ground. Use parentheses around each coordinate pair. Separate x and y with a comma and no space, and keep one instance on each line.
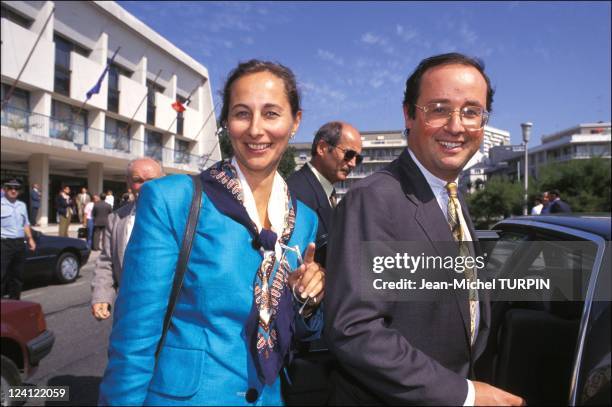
(78,357)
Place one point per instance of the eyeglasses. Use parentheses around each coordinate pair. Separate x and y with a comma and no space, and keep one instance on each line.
(350,154)
(10,188)
(438,115)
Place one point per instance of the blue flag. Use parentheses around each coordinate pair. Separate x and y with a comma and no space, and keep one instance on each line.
(96,88)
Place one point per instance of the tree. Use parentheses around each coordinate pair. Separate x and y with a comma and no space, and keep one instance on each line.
(286,167)
(497,200)
(584,184)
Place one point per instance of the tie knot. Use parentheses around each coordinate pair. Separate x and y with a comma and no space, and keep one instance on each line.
(332,198)
(451,187)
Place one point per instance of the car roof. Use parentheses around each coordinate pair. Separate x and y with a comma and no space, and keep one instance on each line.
(596,224)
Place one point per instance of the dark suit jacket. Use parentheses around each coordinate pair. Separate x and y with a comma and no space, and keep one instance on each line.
(559,207)
(305,186)
(34,199)
(62,204)
(100,213)
(395,352)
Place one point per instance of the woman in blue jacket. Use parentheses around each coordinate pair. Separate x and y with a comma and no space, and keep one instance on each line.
(245,297)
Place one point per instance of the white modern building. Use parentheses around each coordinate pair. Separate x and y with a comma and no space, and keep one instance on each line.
(53,53)
(580,142)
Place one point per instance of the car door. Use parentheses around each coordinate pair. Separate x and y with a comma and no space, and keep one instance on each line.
(533,338)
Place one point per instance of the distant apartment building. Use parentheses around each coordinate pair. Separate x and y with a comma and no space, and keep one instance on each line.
(474,173)
(53,136)
(583,141)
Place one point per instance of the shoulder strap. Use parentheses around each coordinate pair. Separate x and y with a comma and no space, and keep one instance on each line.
(183,259)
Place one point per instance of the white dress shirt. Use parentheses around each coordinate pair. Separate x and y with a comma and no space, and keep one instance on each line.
(438,187)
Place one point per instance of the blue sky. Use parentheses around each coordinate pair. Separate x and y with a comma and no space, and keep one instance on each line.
(549,61)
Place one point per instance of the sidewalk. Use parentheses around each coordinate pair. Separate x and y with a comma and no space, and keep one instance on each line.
(52,229)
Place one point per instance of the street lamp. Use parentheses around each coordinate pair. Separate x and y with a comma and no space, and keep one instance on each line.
(526,127)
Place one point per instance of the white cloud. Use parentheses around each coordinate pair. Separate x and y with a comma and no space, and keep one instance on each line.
(378,40)
(406,34)
(330,56)
(468,35)
(323,92)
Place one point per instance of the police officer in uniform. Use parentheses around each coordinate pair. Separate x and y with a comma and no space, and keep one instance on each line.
(15,230)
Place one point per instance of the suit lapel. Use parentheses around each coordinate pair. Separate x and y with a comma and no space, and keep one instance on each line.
(431,219)
(324,209)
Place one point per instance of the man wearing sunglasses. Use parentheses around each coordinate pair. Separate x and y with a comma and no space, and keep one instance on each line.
(336,151)
(406,351)
(15,228)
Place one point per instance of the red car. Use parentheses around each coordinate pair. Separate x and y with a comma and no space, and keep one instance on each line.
(25,340)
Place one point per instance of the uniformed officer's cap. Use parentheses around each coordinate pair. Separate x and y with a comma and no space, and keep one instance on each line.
(13,183)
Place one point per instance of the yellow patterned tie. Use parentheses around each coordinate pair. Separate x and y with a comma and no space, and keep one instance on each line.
(454,221)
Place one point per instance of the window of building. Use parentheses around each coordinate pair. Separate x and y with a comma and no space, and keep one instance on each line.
(152,88)
(113,85)
(116,135)
(15,17)
(68,123)
(180,119)
(153,144)
(16,113)
(181,151)
(63,48)
(600,150)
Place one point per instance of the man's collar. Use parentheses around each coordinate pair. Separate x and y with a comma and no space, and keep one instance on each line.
(431,179)
(328,187)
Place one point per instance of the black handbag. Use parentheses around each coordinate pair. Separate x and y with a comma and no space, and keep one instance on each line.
(183,259)
(82,233)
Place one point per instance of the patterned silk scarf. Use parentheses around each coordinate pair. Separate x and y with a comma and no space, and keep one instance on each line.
(270,324)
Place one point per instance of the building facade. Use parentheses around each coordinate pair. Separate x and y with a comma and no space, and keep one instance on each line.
(581,142)
(53,53)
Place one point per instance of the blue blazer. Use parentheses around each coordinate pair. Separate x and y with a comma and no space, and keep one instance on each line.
(204,360)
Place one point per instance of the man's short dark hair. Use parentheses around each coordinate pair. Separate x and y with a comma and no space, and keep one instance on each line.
(330,133)
(413,84)
(555,192)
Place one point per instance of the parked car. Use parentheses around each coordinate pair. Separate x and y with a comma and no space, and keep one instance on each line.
(58,257)
(25,342)
(550,351)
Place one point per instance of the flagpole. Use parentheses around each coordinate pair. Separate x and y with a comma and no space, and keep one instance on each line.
(25,64)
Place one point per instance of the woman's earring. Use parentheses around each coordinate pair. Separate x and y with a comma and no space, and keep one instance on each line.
(292,135)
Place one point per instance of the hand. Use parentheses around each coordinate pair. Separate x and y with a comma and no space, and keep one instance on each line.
(487,395)
(32,243)
(309,278)
(101,310)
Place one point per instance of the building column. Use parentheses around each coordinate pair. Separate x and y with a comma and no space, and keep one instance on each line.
(138,137)
(97,120)
(38,173)
(95,177)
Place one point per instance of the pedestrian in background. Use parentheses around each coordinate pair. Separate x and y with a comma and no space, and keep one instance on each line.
(63,204)
(82,199)
(537,208)
(89,223)
(15,227)
(109,265)
(34,204)
(100,213)
(110,198)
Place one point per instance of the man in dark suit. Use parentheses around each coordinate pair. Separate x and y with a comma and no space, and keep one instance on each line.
(100,213)
(557,205)
(34,204)
(336,151)
(414,352)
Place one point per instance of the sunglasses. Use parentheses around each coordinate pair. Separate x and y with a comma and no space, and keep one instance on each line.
(9,188)
(350,154)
